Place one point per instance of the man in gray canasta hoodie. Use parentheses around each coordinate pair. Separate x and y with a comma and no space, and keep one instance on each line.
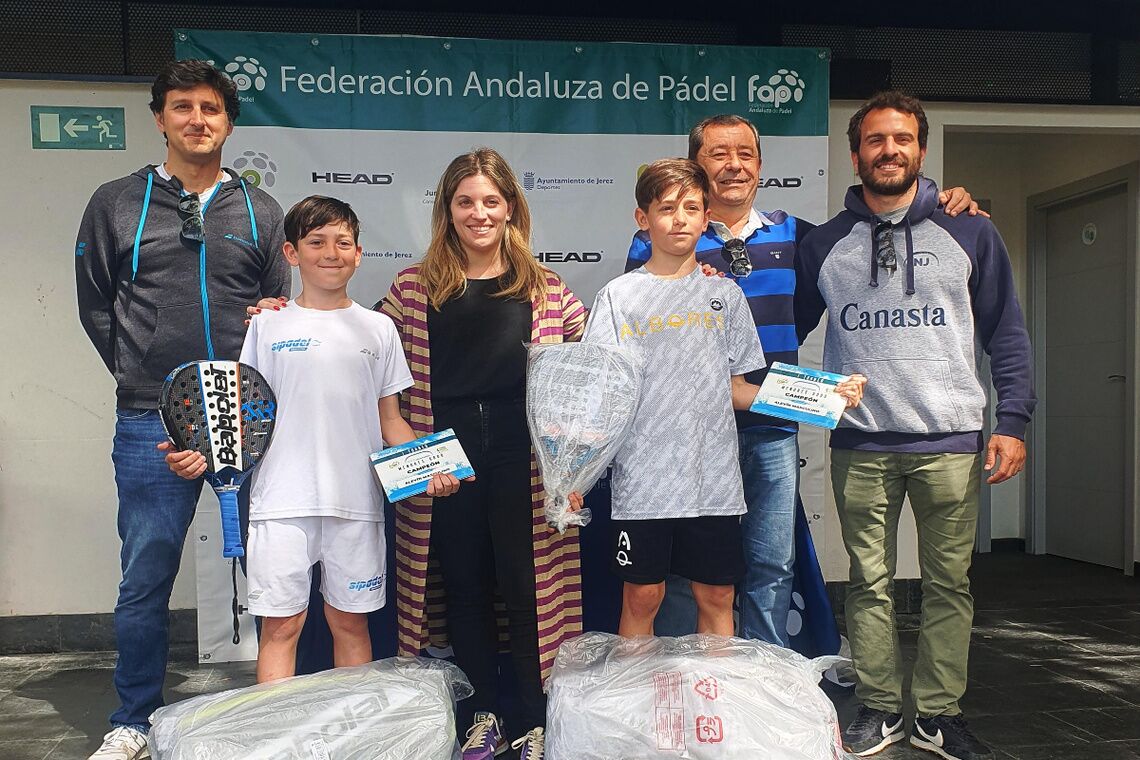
(166,261)
(912,296)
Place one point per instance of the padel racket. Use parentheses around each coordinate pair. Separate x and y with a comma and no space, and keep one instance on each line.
(224,410)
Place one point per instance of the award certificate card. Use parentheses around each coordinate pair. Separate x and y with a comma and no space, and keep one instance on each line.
(406,470)
(801,394)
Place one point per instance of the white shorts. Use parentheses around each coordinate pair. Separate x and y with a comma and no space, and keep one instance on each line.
(282,554)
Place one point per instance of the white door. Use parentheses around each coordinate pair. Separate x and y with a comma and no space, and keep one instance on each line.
(1085,367)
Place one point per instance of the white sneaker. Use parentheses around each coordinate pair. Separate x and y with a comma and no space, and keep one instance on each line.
(122,743)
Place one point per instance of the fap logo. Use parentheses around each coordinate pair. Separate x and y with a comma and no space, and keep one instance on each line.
(785,86)
(256,168)
(247,73)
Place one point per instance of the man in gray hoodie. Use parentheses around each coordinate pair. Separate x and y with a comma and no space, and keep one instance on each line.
(166,261)
(911,295)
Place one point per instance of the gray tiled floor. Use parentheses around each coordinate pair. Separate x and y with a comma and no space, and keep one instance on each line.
(1054,661)
(56,706)
(1054,672)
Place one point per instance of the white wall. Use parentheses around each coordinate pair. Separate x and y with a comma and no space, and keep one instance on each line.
(57,500)
(57,504)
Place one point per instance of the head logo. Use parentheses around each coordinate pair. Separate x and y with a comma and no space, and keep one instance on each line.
(247,73)
(716,304)
(256,168)
(528,181)
(782,87)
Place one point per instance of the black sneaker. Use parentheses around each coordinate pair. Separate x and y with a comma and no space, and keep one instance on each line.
(948,736)
(872,731)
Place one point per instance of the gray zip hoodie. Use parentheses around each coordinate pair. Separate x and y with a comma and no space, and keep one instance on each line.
(151,299)
(916,332)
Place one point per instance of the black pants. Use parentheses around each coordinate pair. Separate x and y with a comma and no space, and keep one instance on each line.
(481,537)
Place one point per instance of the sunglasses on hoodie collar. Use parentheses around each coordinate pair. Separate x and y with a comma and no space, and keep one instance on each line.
(885,246)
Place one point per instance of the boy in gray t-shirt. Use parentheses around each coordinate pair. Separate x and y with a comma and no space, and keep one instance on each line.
(677,493)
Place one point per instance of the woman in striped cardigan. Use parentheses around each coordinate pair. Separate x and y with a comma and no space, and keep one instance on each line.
(464,313)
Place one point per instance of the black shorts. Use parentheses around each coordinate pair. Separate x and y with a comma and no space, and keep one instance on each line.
(707,550)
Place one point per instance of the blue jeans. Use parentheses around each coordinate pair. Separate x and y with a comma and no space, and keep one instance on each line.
(155,510)
(770,466)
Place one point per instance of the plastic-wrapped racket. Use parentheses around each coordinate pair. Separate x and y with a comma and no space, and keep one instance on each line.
(224,410)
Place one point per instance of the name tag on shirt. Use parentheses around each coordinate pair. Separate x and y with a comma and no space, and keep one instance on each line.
(406,470)
(801,394)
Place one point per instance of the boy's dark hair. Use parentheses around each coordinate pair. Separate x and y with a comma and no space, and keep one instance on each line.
(666,174)
(317,211)
(899,101)
(188,74)
(697,133)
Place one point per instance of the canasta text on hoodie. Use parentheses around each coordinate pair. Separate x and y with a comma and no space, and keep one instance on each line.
(917,332)
(151,299)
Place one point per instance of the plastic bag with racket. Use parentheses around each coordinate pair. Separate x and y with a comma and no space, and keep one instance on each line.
(386,710)
(225,410)
(580,400)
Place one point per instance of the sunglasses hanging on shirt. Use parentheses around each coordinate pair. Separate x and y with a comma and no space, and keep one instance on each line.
(735,252)
(885,246)
(190,208)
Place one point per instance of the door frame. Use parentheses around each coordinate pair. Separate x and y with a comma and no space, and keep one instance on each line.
(1037,208)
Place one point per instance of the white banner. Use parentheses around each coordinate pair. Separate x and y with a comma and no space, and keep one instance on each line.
(579,188)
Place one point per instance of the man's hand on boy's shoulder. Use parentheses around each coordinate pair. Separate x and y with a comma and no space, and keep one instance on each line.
(266,304)
(958,199)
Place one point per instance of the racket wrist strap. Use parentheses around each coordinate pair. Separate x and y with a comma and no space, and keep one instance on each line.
(235,606)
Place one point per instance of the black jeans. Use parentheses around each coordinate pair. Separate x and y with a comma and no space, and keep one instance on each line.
(481,536)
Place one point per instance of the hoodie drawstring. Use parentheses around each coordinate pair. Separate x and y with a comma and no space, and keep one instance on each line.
(874,283)
(146,209)
(142,223)
(909,260)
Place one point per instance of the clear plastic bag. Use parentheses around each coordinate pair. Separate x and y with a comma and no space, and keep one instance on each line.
(692,697)
(393,709)
(580,402)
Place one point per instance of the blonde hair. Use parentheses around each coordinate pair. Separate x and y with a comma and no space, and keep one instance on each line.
(443,270)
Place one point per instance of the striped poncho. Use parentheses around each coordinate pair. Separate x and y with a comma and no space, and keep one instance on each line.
(557,316)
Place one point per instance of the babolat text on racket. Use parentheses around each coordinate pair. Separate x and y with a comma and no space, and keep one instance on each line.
(224,410)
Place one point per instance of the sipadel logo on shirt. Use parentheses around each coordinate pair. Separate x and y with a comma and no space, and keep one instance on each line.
(295,344)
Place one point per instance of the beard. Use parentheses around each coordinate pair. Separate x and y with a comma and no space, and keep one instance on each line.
(892,186)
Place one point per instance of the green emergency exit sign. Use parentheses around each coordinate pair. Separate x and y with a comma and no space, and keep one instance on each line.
(78,128)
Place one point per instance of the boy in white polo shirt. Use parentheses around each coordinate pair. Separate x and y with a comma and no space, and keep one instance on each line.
(336,369)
